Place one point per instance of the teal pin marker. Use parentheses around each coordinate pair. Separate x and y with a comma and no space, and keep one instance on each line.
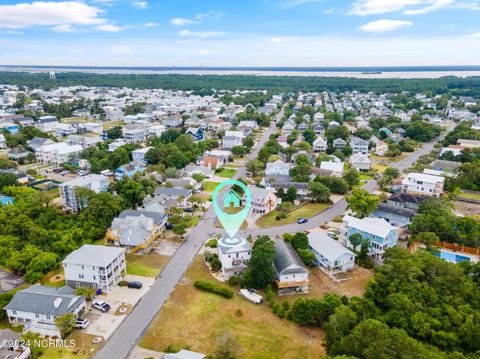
(231,222)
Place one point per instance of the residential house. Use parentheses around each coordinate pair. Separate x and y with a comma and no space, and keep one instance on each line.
(337,168)
(156,130)
(379,233)
(172,122)
(263,200)
(421,183)
(37,142)
(290,272)
(84,141)
(381,148)
(277,168)
(95,127)
(407,200)
(119,142)
(180,195)
(361,162)
(136,229)
(359,145)
(57,153)
(468,143)
(128,170)
(234,253)
(3,142)
(319,145)
(47,123)
(247,125)
(69,193)
(395,215)
(138,156)
(92,266)
(288,128)
(330,255)
(134,135)
(18,154)
(339,144)
(228,142)
(301,187)
(37,307)
(190,170)
(195,132)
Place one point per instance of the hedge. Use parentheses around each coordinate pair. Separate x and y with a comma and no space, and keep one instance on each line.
(213,288)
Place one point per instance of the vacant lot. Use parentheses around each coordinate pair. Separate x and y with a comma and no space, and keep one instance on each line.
(307,210)
(146,265)
(209,186)
(226,172)
(196,319)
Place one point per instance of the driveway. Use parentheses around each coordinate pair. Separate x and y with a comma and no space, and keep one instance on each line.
(9,281)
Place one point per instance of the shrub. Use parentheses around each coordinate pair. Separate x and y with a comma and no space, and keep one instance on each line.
(213,288)
(212,243)
(286,305)
(281,312)
(215,264)
(234,280)
(275,308)
(122,283)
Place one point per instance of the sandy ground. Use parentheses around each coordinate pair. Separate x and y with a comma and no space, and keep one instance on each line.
(466,209)
(355,286)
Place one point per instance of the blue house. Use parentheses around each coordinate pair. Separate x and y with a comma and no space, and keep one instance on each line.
(195,132)
(6,200)
(379,233)
(128,170)
(231,198)
(385,130)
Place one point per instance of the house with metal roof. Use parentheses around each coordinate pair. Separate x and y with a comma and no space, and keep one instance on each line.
(98,267)
(291,274)
(37,307)
(395,215)
(330,256)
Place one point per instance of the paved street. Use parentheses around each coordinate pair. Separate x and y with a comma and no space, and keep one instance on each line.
(131,330)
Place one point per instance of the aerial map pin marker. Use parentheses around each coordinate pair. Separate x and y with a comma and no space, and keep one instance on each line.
(231,222)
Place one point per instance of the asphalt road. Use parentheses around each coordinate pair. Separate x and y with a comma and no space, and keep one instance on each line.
(132,328)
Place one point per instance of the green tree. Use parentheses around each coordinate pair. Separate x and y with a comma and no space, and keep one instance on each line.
(319,192)
(291,194)
(260,270)
(115,132)
(7,179)
(427,238)
(362,203)
(254,167)
(65,324)
(352,177)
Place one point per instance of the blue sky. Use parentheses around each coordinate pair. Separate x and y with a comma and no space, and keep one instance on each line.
(240,32)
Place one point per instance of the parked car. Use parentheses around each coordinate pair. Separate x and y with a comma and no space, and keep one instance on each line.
(332,233)
(302,220)
(101,305)
(82,323)
(134,284)
(251,295)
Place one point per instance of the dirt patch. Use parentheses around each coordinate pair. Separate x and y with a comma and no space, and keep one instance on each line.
(467,208)
(355,286)
(57,278)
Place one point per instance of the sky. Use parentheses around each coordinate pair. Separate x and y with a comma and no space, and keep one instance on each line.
(295,33)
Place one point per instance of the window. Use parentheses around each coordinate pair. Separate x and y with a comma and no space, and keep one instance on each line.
(48,316)
(80,276)
(37,315)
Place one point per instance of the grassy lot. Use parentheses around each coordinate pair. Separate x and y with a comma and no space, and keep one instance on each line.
(307,210)
(147,265)
(204,317)
(379,167)
(469,195)
(390,159)
(226,172)
(83,343)
(54,278)
(52,194)
(209,186)
(109,125)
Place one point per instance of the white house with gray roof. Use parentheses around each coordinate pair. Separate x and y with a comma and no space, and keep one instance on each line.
(331,257)
(291,274)
(37,307)
(234,253)
(98,267)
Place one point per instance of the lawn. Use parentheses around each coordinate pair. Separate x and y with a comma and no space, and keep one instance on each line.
(379,167)
(82,342)
(365,177)
(469,195)
(146,265)
(208,186)
(226,172)
(307,210)
(109,125)
(203,317)
(55,278)
(390,159)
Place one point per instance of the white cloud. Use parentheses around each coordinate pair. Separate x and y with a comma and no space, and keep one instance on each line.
(109,28)
(202,34)
(210,14)
(384,25)
(206,52)
(277,39)
(180,21)
(150,24)
(288,4)
(64,28)
(141,5)
(409,7)
(42,13)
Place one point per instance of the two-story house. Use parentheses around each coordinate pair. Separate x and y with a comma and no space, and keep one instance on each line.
(423,184)
(331,257)
(234,253)
(69,193)
(359,145)
(98,267)
(263,200)
(290,272)
(395,215)
(138,156)
(379,233)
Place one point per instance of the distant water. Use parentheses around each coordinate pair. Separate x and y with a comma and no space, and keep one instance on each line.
(358,72)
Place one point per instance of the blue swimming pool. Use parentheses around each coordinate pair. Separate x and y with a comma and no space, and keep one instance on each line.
(451,256)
